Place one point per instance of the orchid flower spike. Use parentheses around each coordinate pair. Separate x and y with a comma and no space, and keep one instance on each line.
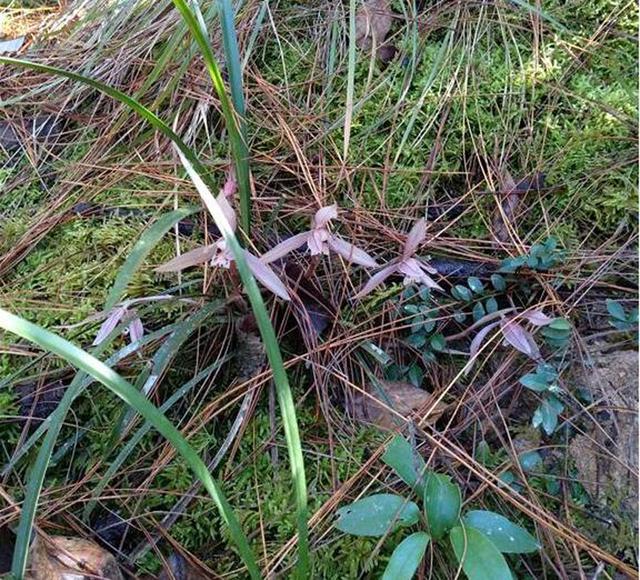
(413,269)
(320,240)
(221,256)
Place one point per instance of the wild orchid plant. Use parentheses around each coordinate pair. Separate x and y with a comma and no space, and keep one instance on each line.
(320,240)
(221,256)
(412,268)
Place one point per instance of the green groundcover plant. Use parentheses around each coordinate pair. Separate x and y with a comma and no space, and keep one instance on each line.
(478,538)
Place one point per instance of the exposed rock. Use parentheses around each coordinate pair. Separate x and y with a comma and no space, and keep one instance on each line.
(606,458)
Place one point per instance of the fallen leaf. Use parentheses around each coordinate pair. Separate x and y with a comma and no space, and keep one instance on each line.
(510,196)
(373,23)
(403,398)
(61,558)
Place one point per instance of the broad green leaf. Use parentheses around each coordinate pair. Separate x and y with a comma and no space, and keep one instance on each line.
(478,555)
(377,515)
(442,501)
(478,311)
(547,414)
(530,461)
(475,284)
(560,324)
(616,310)
(406,557)
(460,292)
(406,462)
(438,342)
(491,305)
(534,382)
(148,240)
(508,537)
(498,282)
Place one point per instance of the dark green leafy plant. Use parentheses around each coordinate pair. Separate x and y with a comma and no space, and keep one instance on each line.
(621,319)
(545,381)
(478,538)
(541,257)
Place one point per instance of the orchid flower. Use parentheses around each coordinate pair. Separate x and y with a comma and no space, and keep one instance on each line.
(221,256)
(320,240)
(513,333)
(135,329)
(413,269)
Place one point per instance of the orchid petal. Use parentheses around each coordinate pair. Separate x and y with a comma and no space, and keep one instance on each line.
(227,210)
(426,266)
(377,279)
(230,186)
(415,237)
(266,276)
(223,256)
(411,269)
(478,339)
(317,241)
(195,257)
(324,215)
(537,318)
(136,330)
(476,343)
(109,324)
(350,252)
(520,338)
(283,248)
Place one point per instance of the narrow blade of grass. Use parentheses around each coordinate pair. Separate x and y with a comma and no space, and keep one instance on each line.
(234,119)
(115,465)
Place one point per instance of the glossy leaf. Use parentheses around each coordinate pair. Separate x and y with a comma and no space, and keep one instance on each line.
(498,282)
(406,462)
(478,311)
(406,557)
(508,537)
(530,461)
(616,310)
(546,415)
(442,502)
(534,382)
(377,515)
(478,555)
(475,284)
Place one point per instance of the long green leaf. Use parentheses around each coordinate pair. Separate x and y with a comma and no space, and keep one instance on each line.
(199,177)
(234,119)
(132,397)
(283,390)
(148,240)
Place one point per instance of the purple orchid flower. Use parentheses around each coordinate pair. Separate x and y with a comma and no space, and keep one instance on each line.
(513,333)
(413,269)
(320,240)
(135,329)
(221,256)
